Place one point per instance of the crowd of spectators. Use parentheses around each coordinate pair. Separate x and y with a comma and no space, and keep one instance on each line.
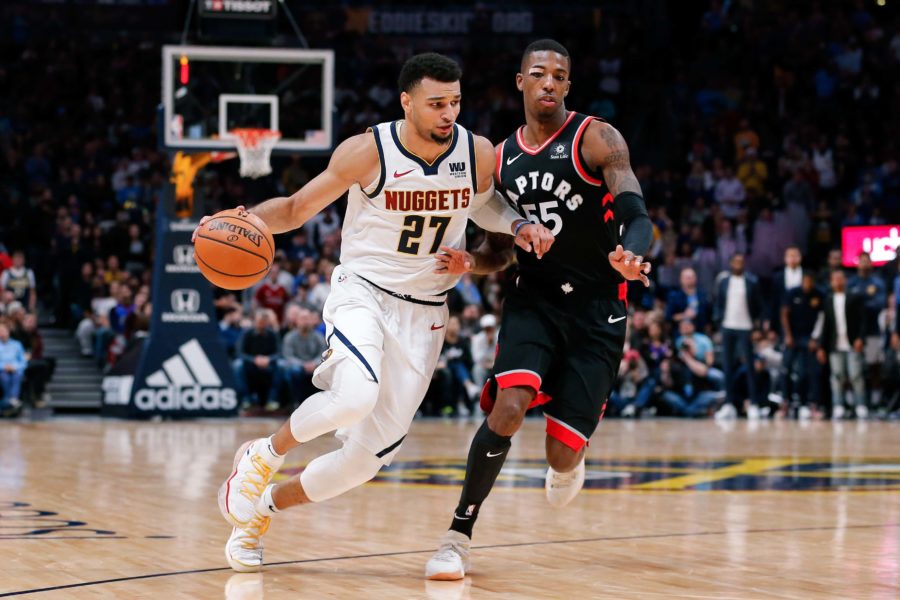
(759,133)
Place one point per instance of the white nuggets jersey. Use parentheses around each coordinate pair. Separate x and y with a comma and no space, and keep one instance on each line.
(394,227)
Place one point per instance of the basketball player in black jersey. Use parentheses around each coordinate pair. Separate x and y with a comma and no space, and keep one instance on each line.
(563,327)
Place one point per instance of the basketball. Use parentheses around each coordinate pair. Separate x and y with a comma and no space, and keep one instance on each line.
(234,249)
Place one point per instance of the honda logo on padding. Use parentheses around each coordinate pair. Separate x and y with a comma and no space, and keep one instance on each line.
(183,254)
(185,307)
(182,260)
(185,301)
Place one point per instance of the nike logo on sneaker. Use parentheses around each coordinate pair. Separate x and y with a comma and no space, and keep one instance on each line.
(513,159)
(616,320)
(489,455)
(435,326)
(396,174)
(461,518)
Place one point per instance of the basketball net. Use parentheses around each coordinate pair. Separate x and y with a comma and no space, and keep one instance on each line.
(255,150)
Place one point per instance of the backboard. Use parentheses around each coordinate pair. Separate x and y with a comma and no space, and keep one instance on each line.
(210,90)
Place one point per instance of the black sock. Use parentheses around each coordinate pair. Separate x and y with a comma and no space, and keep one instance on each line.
(486,457)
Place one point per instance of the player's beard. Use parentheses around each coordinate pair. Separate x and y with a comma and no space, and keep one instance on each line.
(441,139)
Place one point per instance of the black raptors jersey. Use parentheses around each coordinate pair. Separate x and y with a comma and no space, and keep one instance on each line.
(553,185)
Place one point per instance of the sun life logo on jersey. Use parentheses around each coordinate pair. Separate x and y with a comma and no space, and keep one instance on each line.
(185,304)
(182,260)
(185,381)
(559,151)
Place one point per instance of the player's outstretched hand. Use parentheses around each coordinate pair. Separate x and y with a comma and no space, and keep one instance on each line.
(451,261)
(631,267)
(536,238)
(203,221)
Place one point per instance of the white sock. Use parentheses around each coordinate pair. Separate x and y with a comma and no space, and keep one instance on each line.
(266,505)
(272,458)
(272,447)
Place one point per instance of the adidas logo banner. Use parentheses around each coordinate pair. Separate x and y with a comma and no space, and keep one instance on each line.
(185,382)
(183,369)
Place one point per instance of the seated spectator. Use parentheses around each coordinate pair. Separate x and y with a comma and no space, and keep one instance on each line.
(12,371)
(300,248)
(686,387)
(469,319)
(753,173)
(271,294)
(319,288)
(82,292)
(84,332)
(124,307)
(484,349)
(302,350)
(19,280)
(40,368)
(730,194)
(454,370)
(688,301)
(468,289)
(704,351)
(746,140)
(634,386)
(112,272)
(259,350)
(230,330)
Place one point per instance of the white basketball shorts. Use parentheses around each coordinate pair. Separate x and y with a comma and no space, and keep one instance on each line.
(395,342)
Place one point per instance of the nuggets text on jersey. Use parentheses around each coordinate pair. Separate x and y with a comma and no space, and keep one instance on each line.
(427,200)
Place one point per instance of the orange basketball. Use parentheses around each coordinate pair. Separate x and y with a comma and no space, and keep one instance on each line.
(234,249)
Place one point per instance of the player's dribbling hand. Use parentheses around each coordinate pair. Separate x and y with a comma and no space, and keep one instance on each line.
(534,237)
(632,268)
(451,261)
(203,221)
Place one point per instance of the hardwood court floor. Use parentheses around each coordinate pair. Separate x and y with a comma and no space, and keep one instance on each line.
(689,509)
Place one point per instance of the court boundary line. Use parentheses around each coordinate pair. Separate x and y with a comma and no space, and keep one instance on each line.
(411,552)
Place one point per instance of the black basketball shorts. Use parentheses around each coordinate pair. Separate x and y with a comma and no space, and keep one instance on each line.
(566,348)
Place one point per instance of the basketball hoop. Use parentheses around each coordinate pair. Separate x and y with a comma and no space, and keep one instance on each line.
(255,148)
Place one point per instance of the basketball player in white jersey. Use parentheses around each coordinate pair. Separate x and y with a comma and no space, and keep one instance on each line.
(413,184)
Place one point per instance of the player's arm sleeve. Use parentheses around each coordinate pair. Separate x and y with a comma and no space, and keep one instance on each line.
(632,214)
(491,212)
(609,151)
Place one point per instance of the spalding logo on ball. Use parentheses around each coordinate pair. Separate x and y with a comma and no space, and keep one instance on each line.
(234,249)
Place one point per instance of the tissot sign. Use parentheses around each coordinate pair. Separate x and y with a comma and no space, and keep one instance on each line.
(237,8)
(880,241)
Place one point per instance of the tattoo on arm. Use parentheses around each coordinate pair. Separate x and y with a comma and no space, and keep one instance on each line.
(615,162)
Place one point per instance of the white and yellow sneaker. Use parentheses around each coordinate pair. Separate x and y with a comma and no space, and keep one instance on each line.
(451,561)
(561,488)
(244,550)
(254,465)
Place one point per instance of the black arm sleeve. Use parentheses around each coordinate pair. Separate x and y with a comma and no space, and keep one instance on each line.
(631,212)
